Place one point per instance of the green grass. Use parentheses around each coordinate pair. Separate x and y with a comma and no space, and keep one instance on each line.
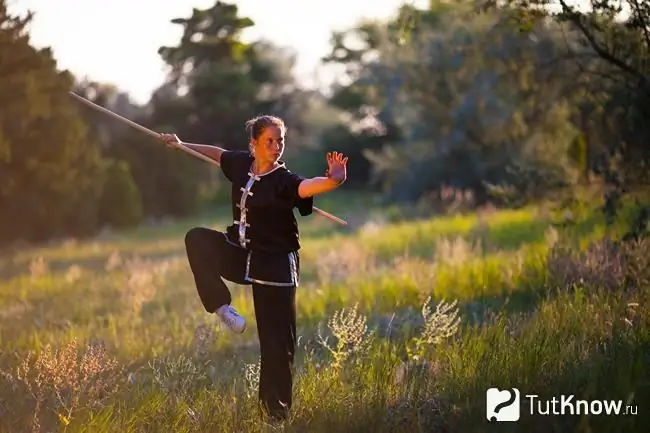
(531,316)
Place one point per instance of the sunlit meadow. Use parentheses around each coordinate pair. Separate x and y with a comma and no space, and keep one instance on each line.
(403,325)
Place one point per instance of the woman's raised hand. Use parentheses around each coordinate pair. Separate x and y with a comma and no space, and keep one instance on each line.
(336,167)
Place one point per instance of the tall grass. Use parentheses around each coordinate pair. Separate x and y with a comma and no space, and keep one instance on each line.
(402,327)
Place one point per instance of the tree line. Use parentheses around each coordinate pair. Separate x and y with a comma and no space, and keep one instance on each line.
(501,99)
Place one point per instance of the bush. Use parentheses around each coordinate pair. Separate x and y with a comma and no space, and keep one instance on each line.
(121,204)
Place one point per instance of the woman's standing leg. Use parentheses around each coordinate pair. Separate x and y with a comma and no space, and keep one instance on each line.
(275,313)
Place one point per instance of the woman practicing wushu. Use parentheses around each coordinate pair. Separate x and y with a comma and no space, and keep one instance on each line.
(260,248)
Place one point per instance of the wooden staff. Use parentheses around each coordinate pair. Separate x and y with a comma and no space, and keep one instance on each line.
(181,146)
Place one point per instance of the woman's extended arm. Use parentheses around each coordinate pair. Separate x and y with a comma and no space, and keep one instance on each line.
(213,152)
(334,177)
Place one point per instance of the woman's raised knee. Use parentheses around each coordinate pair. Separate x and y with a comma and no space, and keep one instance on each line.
(195,237)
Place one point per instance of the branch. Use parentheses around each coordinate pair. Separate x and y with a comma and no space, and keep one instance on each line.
(585,69)
(642,25)
(575,18)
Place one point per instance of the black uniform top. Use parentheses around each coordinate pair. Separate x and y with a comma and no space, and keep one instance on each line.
(262,205)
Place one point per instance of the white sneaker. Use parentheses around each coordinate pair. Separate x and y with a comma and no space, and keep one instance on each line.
(231,318)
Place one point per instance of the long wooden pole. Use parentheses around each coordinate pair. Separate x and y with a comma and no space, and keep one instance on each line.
(180,146)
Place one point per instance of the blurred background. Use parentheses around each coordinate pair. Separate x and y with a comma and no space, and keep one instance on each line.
(514,132)
(436,103)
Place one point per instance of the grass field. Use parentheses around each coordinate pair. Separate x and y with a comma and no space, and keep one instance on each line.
(403,325)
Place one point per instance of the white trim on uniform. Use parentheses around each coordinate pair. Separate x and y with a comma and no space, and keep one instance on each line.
(243,225)
(229,241)
(292,271)
(246,192)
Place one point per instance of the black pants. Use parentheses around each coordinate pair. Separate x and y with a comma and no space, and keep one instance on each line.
(212,258)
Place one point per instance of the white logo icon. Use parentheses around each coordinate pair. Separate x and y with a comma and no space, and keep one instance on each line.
(502,405)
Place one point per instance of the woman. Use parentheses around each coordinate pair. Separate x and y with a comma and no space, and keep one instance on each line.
(260,248)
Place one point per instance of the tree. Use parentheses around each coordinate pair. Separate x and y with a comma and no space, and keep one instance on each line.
(104,128)
(216,83)
(51,172)
(617,33)
(218,74)
(468,98)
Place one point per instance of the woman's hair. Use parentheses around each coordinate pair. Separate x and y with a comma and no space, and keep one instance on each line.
(256,126)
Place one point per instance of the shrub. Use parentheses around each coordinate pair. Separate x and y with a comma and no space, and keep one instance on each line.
(120,205)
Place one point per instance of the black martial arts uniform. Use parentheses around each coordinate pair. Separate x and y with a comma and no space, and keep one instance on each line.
(260,249)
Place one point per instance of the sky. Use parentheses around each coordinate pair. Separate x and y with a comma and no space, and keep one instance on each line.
(116,41)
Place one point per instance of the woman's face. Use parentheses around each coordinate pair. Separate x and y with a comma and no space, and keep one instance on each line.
(270,144)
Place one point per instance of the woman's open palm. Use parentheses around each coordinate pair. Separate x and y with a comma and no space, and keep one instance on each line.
(336,166)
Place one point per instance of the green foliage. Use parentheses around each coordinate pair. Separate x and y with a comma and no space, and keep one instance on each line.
(52,149)
(50,168)
(167,180)
(616,34)
(355,144)
(512,113)
(472,107)
(228,80)
(453,96)
(578,152)
(120,205)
